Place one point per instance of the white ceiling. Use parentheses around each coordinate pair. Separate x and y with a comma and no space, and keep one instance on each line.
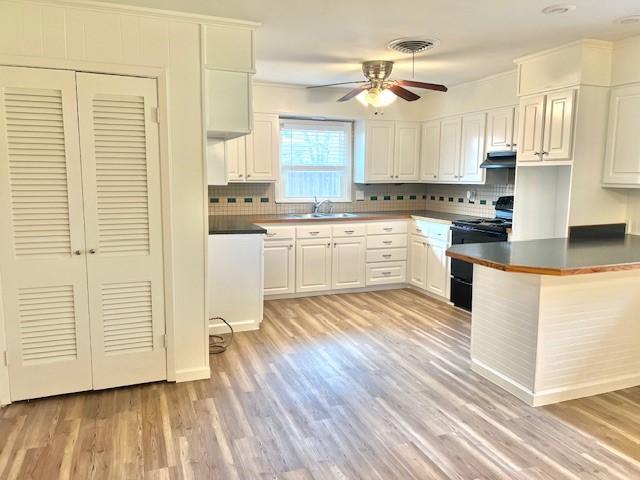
(311,42)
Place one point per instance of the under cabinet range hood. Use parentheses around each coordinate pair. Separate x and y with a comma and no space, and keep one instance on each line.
(506,159)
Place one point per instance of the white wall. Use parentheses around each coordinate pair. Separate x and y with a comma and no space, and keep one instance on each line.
(491,92)
(101,38)
(308,102)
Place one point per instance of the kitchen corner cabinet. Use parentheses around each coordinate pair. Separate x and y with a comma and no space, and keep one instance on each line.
(279,267)
(546,127)
(418,248)
(622,158)
(387,151)
(428,262)
(255,157)
(430,151)
(437,269)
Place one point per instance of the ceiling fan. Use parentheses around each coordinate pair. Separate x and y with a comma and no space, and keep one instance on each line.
(378,90)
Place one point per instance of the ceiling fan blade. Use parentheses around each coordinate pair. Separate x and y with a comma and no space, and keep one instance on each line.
(353,93)
(334,84)
(428,86)
(404,93)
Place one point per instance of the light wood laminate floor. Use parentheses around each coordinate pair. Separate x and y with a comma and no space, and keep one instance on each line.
(368,386)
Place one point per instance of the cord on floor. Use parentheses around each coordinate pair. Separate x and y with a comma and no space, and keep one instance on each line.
(216,342)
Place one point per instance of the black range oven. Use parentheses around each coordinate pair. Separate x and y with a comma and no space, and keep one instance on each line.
(479,230)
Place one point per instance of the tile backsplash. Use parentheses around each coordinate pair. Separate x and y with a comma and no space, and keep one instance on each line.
(259,199)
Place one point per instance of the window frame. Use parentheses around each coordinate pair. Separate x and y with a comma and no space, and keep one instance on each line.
(348,168)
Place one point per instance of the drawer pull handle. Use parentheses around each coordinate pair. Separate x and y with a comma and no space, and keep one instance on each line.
(387,242)
(386,273)
(348,231)
(386,255)
(388,229)
(419,230)
(271,234)
(314,233)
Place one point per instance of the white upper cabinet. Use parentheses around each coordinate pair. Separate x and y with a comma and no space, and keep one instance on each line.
(501,134)
(407,151)
(472,150)
(430,151)
(263,149)
(255,157)
(622,159)
(228,47)
(546,127)
(558,125)
(228,65)
(531,123)
(450,143)
(387,151)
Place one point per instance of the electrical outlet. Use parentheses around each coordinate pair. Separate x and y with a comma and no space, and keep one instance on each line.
(359,195)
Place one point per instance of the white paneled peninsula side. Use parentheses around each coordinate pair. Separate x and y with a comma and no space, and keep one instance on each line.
(554,319)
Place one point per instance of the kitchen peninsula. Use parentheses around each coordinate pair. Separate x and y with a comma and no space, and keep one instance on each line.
(555,319)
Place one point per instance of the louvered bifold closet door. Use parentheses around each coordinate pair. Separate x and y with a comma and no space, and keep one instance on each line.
(121,172)
(44,283)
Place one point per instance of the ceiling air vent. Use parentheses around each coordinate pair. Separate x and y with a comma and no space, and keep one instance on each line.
(413,45)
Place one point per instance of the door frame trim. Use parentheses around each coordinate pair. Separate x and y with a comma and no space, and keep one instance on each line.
(160,74)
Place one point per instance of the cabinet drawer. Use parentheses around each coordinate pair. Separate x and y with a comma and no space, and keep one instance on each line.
(279,233)
(387,272)
(386,241)
(439,231)
(349,230)
(381,228)
(387,255)
(419,227)
(313,231)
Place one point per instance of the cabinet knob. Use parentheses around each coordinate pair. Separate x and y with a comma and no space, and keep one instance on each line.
(239,175)
(508,145)
(544,153)
(92,251)
(329,244)
(435,176)
(77,252)
(248,175)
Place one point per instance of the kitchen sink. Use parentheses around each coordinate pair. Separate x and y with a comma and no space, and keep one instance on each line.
(322,215)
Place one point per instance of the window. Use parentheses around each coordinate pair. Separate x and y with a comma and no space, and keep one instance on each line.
(315,161)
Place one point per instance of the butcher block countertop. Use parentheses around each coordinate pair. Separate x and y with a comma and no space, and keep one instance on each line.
(249,224)
(554,256)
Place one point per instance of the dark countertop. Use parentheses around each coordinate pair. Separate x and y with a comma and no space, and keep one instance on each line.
(247,224)
(557,256)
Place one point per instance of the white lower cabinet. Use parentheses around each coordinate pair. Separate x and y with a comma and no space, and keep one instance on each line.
(386,273)
(437,269)
(313,264)
(348,262)
(279,267)
(418,261)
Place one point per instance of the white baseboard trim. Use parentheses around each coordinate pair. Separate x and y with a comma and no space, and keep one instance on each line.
(514,388)
(216,327)
(562,394)
(372,288)
(190,374)
(554,395)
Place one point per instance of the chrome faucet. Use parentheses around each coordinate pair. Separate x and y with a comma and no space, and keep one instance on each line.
(317,205)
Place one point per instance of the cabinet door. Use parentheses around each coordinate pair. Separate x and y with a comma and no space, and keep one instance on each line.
(622,160)
(558,126)
(348,264)
(437,269)
(313,265)
(407,151)
(236,159)
(44,280)
(530,128)
(123,225)
(472,155)
(430,151)
(450,140)
(263,149)
(500,132)
(279,267)
(227,103)
(418,261)
(379,150)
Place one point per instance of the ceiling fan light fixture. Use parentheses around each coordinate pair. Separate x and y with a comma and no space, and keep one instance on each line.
(376,97)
